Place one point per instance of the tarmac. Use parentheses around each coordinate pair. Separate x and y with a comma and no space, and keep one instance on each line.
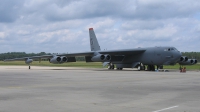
(69,89)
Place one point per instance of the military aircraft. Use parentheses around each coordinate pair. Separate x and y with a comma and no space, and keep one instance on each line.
(119,59)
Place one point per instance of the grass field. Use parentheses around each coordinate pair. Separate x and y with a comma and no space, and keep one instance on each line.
(46,63)
(84,64)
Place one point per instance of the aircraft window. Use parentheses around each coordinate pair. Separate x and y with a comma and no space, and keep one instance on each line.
(169,49)
(172,49)
(165,49)
(175,49)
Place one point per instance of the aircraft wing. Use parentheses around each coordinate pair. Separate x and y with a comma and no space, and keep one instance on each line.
(91,53)
(17,59)
(124,51)
(41,57)
(51,56)
(110,52)
(32,57)
(77,54)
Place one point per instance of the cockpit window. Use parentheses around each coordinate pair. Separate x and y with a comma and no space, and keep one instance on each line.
(175,49)
(170,49)
(167,49)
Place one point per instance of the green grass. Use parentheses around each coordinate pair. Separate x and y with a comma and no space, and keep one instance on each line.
(188,67)
(46,63)
(87,65)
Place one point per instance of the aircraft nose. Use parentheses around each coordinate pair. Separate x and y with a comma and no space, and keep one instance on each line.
(178,55)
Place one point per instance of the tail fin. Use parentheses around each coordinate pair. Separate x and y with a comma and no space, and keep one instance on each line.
(94,45)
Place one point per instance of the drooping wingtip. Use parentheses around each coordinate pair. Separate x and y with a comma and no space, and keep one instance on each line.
(90,28)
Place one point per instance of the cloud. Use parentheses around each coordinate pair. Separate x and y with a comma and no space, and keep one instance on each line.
(62,25)
(10,10)
(2,35)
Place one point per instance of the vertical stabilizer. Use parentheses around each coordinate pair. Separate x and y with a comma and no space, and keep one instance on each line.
(94,45)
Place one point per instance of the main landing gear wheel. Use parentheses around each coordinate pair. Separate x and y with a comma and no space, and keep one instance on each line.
(111,66)
(150,68)
(119,68)
(141,67)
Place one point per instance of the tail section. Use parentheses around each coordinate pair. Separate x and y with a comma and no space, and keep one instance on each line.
(94,45)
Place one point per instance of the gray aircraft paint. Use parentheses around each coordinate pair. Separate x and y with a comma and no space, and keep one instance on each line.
(147,56)
(94,45)
(124,58)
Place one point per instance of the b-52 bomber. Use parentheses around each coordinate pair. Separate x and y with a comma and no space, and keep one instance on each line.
(119,59)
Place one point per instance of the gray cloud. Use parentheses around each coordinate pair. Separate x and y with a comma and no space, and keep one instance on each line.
(62,25)
(9,10)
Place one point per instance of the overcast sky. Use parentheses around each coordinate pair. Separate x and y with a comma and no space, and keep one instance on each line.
(61,26)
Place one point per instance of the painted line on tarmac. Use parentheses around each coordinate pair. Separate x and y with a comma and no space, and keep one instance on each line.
(166,108)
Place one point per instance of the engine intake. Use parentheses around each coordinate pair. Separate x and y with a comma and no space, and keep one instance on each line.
(63,59)
(55,60)
(188,62)
(183,59)
(194,61)
(101,58)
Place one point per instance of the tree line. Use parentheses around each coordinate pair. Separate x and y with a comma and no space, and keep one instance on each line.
(192,55)
(10,55)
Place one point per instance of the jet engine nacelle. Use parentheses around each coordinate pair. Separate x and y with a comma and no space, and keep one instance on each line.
(183,59)
(63,59)
(55,59)
(101,58)
(194,61)
(58,60)
(28,61)
(189,62)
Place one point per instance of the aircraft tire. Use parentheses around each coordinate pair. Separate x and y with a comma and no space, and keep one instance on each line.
(149,68)
(139,68)
(142,67)
(109,66)
(152,68)
(119,68)
(113,66)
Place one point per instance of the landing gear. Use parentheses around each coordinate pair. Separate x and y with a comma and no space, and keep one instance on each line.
(29,67)
(150,68)
(141,67)
(119,68)
(111,66)
(159,67)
